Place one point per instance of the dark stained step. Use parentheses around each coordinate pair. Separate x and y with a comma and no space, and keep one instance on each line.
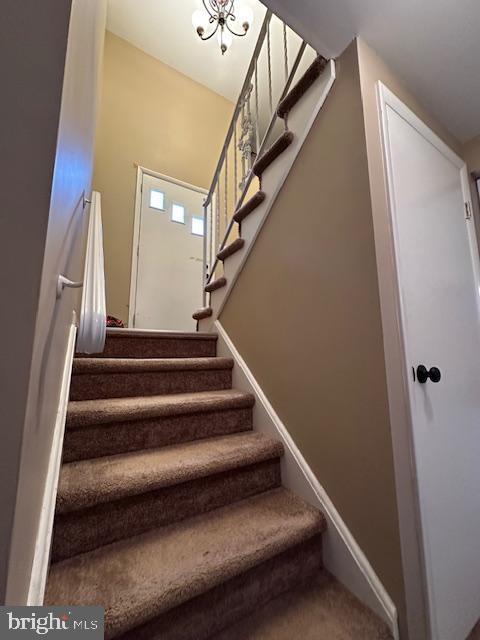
(204,312)
(118,425)
(313,72)
(216,284)
(135,343)
(277,148)
(249,206)
(230,249)
(95,378)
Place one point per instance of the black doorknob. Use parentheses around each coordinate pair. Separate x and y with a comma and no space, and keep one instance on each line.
(423,374)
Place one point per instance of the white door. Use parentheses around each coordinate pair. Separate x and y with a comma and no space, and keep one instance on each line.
(437,265)
(167,271)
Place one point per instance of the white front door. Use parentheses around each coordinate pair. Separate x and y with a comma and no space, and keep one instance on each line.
(168,257)
(437,265)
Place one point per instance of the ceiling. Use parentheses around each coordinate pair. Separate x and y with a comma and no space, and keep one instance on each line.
(163,29)
(434,45)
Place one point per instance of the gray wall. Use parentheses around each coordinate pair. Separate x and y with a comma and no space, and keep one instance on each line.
(47,142)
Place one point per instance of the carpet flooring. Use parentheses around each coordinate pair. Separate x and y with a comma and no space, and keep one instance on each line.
(170,511)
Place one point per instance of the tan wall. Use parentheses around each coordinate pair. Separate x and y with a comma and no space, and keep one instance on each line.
(49,146)
(305,315)
(471,153)
(156,117)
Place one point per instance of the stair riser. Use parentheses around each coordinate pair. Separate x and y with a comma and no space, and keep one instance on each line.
(121,385)
(109,439)
(130,347)
(213,611)
(87,529)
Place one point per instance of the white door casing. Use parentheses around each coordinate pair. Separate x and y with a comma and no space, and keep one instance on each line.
(439,308)
(167,258)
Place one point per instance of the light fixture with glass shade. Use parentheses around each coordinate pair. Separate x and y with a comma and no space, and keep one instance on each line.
(224,18)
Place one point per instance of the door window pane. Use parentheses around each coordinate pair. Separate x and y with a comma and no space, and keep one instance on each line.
(157,199)
(178,213)
(197,226)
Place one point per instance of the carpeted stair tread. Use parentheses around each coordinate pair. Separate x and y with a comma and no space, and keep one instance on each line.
(215,284)
(99,480)
(147,343)
(159,334)
(249,206)
(313,72)
(230,249)
(139,578)
(136,365)
(277,148)
(319,609)
(204,312)
(82,413)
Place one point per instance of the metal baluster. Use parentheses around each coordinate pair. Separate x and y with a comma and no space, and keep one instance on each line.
(256,106)
(212,241)
(205,255)
(217,219)
(226,190)
(285,50)
(269,61)
(235,150)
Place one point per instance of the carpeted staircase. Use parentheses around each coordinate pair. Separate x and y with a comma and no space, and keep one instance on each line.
(170,510)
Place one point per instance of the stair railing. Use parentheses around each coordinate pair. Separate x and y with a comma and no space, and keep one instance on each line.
(279,56)
(93,315)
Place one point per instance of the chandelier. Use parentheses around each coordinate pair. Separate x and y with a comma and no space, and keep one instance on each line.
(221,17)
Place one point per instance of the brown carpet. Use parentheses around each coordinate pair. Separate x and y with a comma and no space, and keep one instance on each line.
(170,511)
(320,609)
(475,634)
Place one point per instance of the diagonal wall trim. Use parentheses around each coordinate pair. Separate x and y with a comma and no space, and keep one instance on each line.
(342,554)
(41,558)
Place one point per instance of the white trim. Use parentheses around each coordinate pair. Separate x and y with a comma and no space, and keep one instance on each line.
(179,183)
(300,121)
(41,558)
(137,217)
(93,311)
(342,555)
(411,528)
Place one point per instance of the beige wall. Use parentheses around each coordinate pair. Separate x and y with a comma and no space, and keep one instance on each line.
(158,118)
(471,153)
(49,146)
(305,315)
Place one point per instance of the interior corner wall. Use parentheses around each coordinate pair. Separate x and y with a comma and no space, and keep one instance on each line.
(305,315)
(51,51)
(156,117)
(471,154)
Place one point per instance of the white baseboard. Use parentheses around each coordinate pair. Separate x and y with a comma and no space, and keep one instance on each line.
(41,559)
(342,555)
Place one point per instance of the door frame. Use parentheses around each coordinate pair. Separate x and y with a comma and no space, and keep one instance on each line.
(415,560)
(137,219)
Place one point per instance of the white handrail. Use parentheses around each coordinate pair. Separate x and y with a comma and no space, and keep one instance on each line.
(93,313)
